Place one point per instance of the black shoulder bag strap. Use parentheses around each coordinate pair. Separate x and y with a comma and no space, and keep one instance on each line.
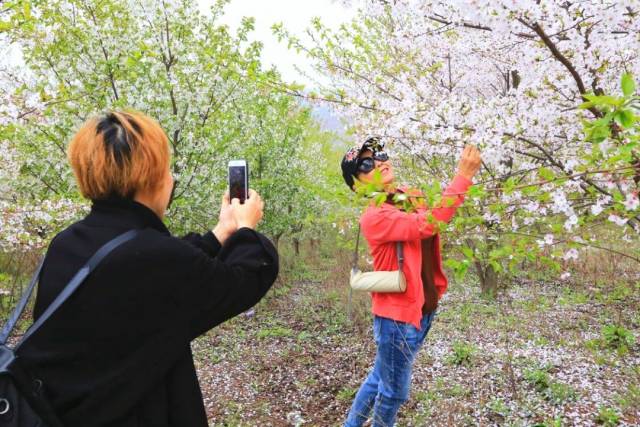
(68,290)
(17,312)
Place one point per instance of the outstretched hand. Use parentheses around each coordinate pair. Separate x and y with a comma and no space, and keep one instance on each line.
(470,162)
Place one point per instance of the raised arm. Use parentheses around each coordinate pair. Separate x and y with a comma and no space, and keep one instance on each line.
(225,286)
(389,224)
(241,274)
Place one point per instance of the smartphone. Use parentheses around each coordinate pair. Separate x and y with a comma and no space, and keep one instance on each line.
(238,180)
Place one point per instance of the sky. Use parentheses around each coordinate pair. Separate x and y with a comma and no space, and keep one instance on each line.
(296,16)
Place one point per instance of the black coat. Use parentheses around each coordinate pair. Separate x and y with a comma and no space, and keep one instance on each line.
(117,353)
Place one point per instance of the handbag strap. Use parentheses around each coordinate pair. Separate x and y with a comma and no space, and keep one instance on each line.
(68,290)
(399,252)
(354,264)
(17,312)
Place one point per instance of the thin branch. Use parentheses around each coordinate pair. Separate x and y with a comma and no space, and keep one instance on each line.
(590,245)
(562,59)
(464,24)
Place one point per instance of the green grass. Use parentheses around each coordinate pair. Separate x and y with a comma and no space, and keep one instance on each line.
(457,390)
(618,338)
(313,314)
(498,406)
(560,393)
(539,304)
(346,394)
(630,399)
(275,332)
(572,296)
(427,397)
(552,422)
(461,354)
(607,416)
(429,402)
(467,314)
(555,392)
(538,378)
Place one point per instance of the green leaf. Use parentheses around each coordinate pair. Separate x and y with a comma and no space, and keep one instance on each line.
(509,184)
(586,105)
(451,263)
(476,191)
(496,266)
(380,199)
(591,97)
(467,251)
(609,100)
(628,85)
(449,201)
(598,132)
(546,174)
(628,148)
(625,118)
(26,8)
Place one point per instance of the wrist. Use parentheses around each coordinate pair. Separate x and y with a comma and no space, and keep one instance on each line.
(246,225)
(466,175)
(221,232)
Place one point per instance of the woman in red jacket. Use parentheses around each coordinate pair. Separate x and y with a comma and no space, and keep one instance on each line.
(401,320)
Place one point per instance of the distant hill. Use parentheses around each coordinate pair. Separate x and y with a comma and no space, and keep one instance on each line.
(328,121)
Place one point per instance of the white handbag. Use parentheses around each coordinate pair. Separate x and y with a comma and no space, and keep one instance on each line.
(378,281)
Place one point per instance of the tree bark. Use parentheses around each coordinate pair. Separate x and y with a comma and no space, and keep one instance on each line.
(314,246)
(276,240)
(296,246)
(488,279)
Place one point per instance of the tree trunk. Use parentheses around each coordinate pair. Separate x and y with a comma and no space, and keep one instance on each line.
(296,246)
(488,279)
(314,246)
(487,274)
(276,240)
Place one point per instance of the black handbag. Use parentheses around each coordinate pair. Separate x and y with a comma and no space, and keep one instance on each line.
(23,402)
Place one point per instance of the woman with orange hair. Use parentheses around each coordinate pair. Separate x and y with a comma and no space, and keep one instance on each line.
(117,352)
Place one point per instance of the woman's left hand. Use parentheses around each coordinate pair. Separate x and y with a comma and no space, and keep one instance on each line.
(226,222)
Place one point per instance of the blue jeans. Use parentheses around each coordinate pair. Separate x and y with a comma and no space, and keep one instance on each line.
(387,385)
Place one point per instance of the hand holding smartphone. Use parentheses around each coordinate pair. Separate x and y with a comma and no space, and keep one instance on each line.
(246,214)
(238,180)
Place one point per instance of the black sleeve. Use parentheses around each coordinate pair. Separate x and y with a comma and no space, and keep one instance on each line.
(222,287)
(206,242)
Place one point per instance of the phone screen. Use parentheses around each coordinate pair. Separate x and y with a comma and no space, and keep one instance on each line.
(238,182)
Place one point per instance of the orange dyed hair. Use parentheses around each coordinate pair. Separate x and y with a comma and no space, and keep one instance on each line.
(119,154)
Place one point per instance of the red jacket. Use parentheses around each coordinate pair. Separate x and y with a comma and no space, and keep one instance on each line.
(384,226)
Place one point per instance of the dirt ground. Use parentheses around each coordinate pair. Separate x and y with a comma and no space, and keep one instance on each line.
(539,355)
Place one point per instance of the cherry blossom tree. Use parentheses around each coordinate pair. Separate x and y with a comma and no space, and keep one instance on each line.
(510,77)
(203,84)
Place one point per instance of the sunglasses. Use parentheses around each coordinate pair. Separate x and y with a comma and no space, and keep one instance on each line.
(367,164)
